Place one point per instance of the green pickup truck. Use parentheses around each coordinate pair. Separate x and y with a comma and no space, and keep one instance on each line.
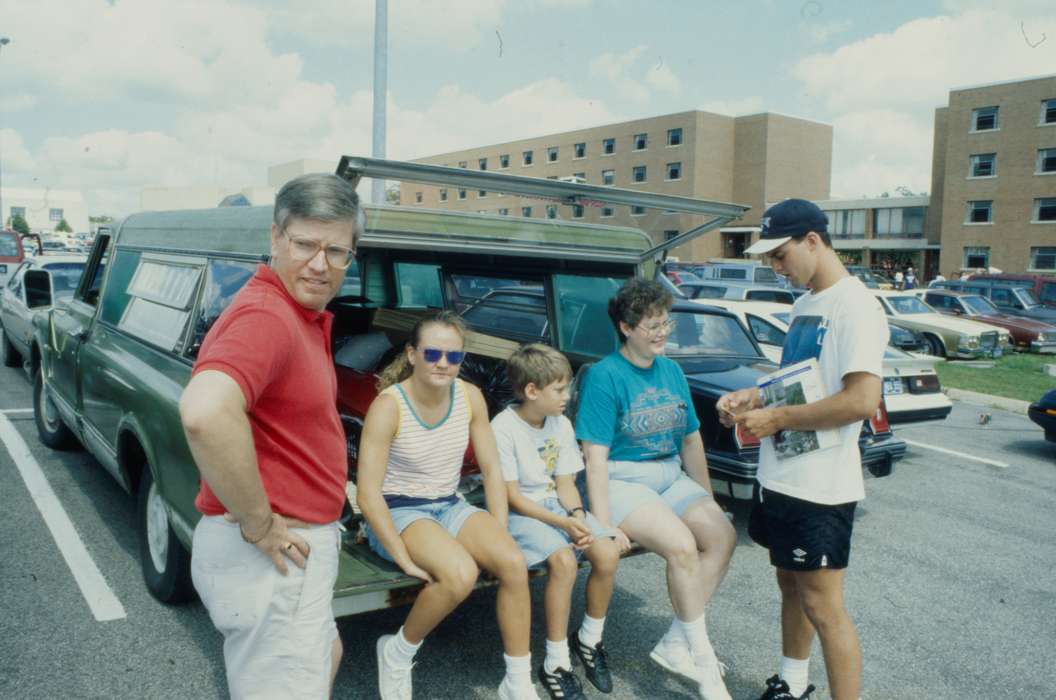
(110,362)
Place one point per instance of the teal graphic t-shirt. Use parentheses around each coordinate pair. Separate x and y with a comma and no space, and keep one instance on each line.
(640,414)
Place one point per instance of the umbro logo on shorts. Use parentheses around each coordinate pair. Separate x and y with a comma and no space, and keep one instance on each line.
(798,555)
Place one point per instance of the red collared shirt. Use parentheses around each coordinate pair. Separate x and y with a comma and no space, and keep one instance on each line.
(279,353)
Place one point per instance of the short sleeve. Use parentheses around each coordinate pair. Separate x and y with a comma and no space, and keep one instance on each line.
(596,419)
(571,460)
(506,444)
(252,346)
(863,336)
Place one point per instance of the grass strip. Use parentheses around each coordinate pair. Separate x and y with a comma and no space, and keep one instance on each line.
(1015,376)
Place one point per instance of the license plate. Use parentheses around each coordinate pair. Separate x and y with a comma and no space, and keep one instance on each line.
(892,386)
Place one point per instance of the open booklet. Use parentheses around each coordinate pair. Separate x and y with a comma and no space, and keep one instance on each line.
(791,386)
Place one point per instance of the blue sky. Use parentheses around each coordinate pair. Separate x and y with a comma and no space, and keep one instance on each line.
(110,97)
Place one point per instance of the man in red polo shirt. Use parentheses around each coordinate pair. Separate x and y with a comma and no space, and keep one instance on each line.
(261,420)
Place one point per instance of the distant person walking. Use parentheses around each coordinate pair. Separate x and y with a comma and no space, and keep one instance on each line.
(910,280)
(898,279)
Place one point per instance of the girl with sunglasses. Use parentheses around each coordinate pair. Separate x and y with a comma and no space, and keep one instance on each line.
(414,438)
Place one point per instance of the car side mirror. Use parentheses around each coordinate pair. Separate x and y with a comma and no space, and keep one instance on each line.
(39,292)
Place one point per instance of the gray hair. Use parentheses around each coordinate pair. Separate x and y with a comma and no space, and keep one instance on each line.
(322,197)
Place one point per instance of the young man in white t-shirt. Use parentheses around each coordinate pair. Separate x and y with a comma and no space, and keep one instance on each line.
(805,511)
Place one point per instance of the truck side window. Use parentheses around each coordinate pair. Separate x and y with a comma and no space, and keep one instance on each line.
(418,286)
(116,298)
(224,278)
(162,291)
(583,325)
(89,292)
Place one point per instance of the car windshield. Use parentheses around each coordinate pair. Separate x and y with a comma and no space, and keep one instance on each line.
(707,334)
(979,305)
(1026,296)
(765,275)
(783,316)
(909,305)
(64,277)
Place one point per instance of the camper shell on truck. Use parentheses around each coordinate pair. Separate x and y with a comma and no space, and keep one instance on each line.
(110,363)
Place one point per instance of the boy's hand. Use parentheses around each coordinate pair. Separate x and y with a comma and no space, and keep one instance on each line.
(733,404)
(579,531)
(761,422)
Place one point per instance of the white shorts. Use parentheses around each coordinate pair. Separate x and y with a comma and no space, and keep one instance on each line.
(278,630)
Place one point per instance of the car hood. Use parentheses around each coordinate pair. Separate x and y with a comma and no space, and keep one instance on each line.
(1040,312)
(1020,322)
(913,364)
(949,323)
(720,375)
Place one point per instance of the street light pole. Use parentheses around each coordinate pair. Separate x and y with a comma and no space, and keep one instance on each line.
(4,41)
(381,59)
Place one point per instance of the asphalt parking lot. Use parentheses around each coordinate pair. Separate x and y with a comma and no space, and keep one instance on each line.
(951,585)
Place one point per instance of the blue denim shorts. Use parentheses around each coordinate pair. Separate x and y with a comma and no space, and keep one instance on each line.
(635,484)
(451,516)
(538,540)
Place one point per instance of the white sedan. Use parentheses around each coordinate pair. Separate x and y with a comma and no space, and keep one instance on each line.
(912,391)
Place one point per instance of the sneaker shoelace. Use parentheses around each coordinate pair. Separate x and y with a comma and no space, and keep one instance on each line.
(596,657)
(563,684)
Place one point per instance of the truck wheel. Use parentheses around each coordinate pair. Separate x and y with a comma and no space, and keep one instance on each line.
(934,346)
(50,428)
(8,354)
(166,563)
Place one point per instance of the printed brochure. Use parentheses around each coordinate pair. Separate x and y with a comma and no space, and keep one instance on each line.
(791,386)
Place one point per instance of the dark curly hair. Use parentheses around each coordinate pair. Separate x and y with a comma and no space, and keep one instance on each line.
(638,299)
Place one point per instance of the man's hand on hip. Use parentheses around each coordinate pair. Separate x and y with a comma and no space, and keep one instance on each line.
(276,541)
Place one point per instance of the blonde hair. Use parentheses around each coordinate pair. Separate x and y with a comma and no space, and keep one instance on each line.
(537,364)
(401,368)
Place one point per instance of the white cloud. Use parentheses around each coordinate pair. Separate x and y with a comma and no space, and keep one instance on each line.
(631,79)
(16,156)
(735,107)
(663,79)
(877,150)
(820,32)
(17,103)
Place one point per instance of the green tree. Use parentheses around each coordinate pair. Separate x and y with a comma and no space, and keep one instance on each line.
(19,224)
(63,227)
(392,194)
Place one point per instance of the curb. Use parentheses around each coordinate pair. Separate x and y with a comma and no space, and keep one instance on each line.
(1005,404)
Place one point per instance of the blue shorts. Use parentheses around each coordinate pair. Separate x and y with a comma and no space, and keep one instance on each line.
(538,540)
(635,484)
(451,516)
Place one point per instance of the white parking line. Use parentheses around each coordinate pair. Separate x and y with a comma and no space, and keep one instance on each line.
(96,591)
(14,411)
(984,460)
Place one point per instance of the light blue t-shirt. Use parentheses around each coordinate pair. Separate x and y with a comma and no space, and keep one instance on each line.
(640,414)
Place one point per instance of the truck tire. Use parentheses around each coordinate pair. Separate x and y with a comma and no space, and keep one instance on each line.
(8,354)
(50,428)
(166,563)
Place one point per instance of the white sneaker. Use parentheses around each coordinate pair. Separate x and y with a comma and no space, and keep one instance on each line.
(394,683)
(711,684)
(510,692)
(676,658)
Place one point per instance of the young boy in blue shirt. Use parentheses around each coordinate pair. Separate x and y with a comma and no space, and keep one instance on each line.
(540,459)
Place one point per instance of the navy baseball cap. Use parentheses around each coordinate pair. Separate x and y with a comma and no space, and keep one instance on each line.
(792,218)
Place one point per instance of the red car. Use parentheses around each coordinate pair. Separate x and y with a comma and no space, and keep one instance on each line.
(1028,334)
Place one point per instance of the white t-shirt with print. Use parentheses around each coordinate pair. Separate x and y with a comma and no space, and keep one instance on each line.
(845,328)
(534,456)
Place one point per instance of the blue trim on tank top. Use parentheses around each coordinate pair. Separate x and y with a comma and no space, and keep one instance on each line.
(434,426)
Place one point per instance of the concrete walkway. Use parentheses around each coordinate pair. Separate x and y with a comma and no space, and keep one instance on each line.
(1014,405)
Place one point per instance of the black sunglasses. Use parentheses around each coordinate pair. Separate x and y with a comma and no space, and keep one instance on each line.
(454,357)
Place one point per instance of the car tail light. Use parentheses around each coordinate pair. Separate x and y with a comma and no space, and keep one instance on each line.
(878,422)
(924,384)
(744,438)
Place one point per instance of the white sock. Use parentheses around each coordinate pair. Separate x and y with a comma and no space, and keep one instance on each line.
(399,652)
(794,672)
(696,633)
(518,670)
(590,630)
(557,656)
(674,633)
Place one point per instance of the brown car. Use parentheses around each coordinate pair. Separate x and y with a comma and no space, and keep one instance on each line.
(1028,335)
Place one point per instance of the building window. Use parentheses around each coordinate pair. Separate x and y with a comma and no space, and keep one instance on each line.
(483,163)
(980,211)
(674,171)
(1046,162)
(674,137)
(580,150)
(526,158)
(638,173)
(443,194)
(977,258)
(551,154)
(608,177)
(1045,209)
(606,212)
(504,212)
(526,212)
(641,142)
(417,197)
(1043,258)
(608,146)
(577,211)
(637,211)
(461,192)
(551,211)
(847,223)
(670,234)
(463,164)
(982,165)
(504,161)
(481,194)
(907,222)
(18,211)
(55,214)
(1048,112)
(984,119)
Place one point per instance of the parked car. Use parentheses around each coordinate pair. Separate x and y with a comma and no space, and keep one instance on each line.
(1012,300)
(733,290)
(912,391)
(12,252)
(682,276)
(867,276)
(19,301)
(945,336)
(744,271)
(1044,414)
(1027,334)
(1043,286)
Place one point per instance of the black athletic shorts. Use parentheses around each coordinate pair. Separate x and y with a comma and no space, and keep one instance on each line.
(801,535)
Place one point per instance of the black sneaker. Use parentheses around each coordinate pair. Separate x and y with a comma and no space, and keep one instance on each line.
(562,685)
(777,689)
(595,664)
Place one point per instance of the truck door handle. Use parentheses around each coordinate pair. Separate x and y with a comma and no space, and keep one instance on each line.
(80,334)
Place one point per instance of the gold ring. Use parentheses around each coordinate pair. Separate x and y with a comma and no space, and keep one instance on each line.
(289,546)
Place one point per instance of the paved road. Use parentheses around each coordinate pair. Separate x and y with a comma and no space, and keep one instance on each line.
(951,585)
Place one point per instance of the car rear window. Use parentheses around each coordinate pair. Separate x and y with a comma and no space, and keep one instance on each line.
(765,275)
(733,273)
(1048,293)
(708,334)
